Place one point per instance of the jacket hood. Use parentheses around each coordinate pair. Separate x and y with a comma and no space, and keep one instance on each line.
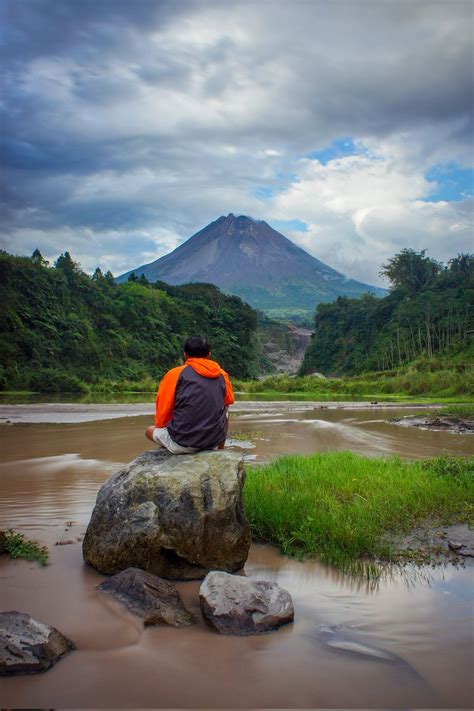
(205,367)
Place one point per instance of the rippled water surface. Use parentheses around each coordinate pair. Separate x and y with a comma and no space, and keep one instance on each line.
(403,643)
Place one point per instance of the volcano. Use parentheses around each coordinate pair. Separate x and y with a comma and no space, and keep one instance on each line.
(250,259)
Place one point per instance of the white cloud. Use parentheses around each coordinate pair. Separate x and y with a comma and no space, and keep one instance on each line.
(362,209)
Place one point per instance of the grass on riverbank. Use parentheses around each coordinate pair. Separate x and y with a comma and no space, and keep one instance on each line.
(428,377)
(344,508)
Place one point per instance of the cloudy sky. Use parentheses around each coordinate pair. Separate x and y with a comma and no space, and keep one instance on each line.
(128,126)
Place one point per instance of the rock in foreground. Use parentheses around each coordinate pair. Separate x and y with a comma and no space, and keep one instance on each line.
(232,604)
(175,516)
(28,646)
(153,599)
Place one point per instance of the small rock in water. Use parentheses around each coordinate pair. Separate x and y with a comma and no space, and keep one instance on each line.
(64,543)
(236,605)
(28,646)
(153,599)
(240,443)
(464,548)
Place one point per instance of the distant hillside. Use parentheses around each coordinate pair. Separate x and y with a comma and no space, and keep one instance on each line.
(249,258)
(61,329)
(429,311)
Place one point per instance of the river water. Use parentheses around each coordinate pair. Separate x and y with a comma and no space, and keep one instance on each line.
(404,642)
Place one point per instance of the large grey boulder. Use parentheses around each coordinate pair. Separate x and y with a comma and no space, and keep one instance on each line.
(232,604)
(153,599)
(28,646)
(175,516)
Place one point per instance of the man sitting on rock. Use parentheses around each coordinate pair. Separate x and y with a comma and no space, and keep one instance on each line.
(192,402)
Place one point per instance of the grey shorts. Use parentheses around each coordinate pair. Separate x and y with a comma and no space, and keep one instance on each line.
(162,438)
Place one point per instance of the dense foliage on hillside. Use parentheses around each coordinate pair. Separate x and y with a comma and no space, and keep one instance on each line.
(428,311)
(60,328)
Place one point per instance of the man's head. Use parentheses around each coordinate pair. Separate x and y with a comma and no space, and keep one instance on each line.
(197,347)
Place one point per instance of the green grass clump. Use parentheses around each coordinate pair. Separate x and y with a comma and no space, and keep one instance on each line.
(343,508)
(465,411)
(18,546)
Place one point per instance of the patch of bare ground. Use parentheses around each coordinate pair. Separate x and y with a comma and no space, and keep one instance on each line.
(445,423)
(436,544)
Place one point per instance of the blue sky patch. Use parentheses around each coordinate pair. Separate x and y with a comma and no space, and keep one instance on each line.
(337,149)
(263,192)
(453,182)
(295,225)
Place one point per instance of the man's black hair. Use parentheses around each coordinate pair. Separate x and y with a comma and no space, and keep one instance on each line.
(197,347)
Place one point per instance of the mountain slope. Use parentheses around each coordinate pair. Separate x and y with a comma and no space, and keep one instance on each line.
(249,258)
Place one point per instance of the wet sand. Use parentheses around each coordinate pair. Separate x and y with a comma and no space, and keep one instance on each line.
(404,643)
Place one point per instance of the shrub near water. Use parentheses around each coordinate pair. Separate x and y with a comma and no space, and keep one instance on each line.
(340,506)
(18,546)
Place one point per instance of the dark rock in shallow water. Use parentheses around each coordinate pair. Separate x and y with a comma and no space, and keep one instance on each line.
(28,646)
(175,516)
(232,604)
(464,548)
(447,423)
(153,599)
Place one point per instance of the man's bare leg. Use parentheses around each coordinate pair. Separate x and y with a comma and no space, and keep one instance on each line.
(149,433)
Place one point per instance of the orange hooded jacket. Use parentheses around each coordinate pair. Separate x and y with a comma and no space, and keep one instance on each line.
(167,388)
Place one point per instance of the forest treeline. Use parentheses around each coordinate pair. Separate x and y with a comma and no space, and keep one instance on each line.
(428,311)
(62,330)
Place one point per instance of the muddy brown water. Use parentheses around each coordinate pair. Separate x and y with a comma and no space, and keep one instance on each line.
(403,642)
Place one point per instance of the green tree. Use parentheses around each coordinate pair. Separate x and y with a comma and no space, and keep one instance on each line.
(62,328)
(38,258)
(410,271)
(66,264)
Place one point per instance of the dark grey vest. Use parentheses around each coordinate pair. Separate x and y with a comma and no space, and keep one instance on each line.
(199,413)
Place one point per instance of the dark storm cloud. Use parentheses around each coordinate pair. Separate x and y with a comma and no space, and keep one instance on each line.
(37,27)
(161,115)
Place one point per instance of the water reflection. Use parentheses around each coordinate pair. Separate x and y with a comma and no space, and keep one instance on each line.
(267,560)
